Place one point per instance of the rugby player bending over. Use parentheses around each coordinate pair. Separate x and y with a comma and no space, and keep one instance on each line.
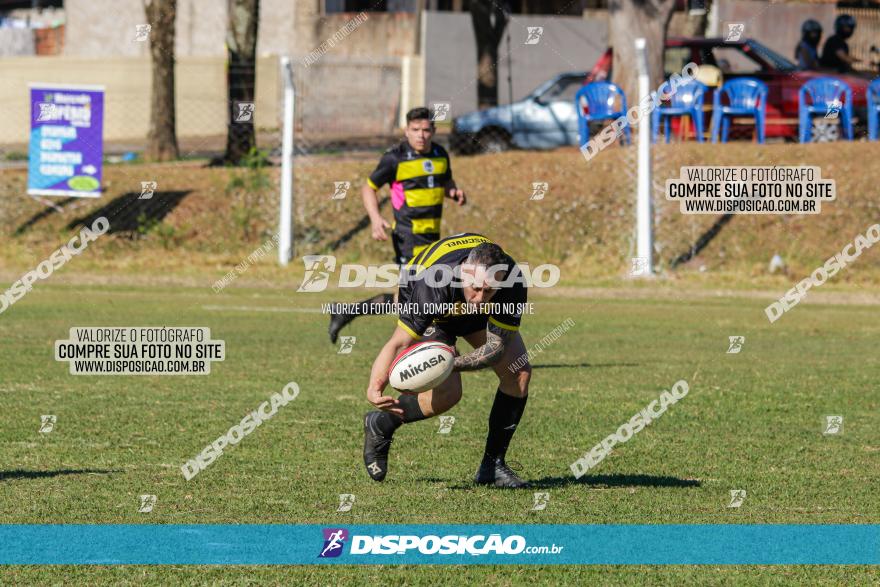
(494,337)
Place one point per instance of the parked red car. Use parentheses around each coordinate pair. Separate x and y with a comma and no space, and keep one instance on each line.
(749,58)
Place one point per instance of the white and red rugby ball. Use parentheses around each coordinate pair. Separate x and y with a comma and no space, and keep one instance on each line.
(421,367)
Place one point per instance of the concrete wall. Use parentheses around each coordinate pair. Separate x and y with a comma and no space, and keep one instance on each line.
(567,44)
(97,28)
(302,31)
(347,97)
(381,35)
(336,97)
(200,28)
(104,28)
(353,88)
(16,42)
(200,93)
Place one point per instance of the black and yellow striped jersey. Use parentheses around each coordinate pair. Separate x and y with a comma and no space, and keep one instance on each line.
(418,183)
(416,295)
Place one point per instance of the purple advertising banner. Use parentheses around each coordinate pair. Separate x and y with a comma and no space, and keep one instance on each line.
(67,140)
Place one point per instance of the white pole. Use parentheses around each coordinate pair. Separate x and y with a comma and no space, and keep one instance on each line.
(405,89)
(285,224)
(713,21)
(644,236)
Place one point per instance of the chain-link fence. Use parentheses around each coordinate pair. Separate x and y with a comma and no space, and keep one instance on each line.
(346,109)
(202,110)
(345,104)
(342,104)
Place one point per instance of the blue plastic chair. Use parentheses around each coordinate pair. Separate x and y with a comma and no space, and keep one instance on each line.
(873,109)
(686,101)
(746,96)
(823,92)
(599,98)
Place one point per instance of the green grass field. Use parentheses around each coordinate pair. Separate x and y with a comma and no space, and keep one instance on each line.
(751,421)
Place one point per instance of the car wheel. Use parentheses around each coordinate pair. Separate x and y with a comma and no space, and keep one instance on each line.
(825,131)
(494,141)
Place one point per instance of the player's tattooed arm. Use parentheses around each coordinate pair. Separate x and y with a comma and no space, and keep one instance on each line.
(486,355)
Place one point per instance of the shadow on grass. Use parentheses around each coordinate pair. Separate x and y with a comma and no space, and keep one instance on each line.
(702,242)
(44,213)
(615,480)
(22,474)
(127,213)
(575,365)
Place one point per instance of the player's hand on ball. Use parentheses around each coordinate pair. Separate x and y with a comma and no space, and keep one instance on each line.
(383,402)
(379,225)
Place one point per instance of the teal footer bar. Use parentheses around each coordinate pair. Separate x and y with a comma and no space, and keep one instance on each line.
(719,544)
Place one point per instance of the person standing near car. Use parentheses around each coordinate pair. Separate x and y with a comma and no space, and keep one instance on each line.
(835,53)
(807,51)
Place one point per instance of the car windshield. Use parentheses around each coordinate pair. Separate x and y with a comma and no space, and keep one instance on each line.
(735,59)
(770,56)
(552,89)
(564,89)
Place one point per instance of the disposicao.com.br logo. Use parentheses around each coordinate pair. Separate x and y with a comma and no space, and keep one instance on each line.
(393,544)
(320,268)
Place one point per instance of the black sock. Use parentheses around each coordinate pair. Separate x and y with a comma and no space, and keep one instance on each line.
(387,422)
(503,419)
(379,304)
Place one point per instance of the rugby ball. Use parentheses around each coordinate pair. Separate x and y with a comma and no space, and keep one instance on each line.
(421,367)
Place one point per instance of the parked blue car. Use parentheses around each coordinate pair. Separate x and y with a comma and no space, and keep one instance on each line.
(544,119)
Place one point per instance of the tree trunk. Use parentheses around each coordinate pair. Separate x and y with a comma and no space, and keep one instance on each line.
(488,36)
(241,42)
(630,19)
(162,136)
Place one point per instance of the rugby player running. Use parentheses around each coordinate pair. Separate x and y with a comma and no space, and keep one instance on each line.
(420,176)
(485,278)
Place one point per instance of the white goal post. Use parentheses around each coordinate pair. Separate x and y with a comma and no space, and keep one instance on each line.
(644,208)
(285,220)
